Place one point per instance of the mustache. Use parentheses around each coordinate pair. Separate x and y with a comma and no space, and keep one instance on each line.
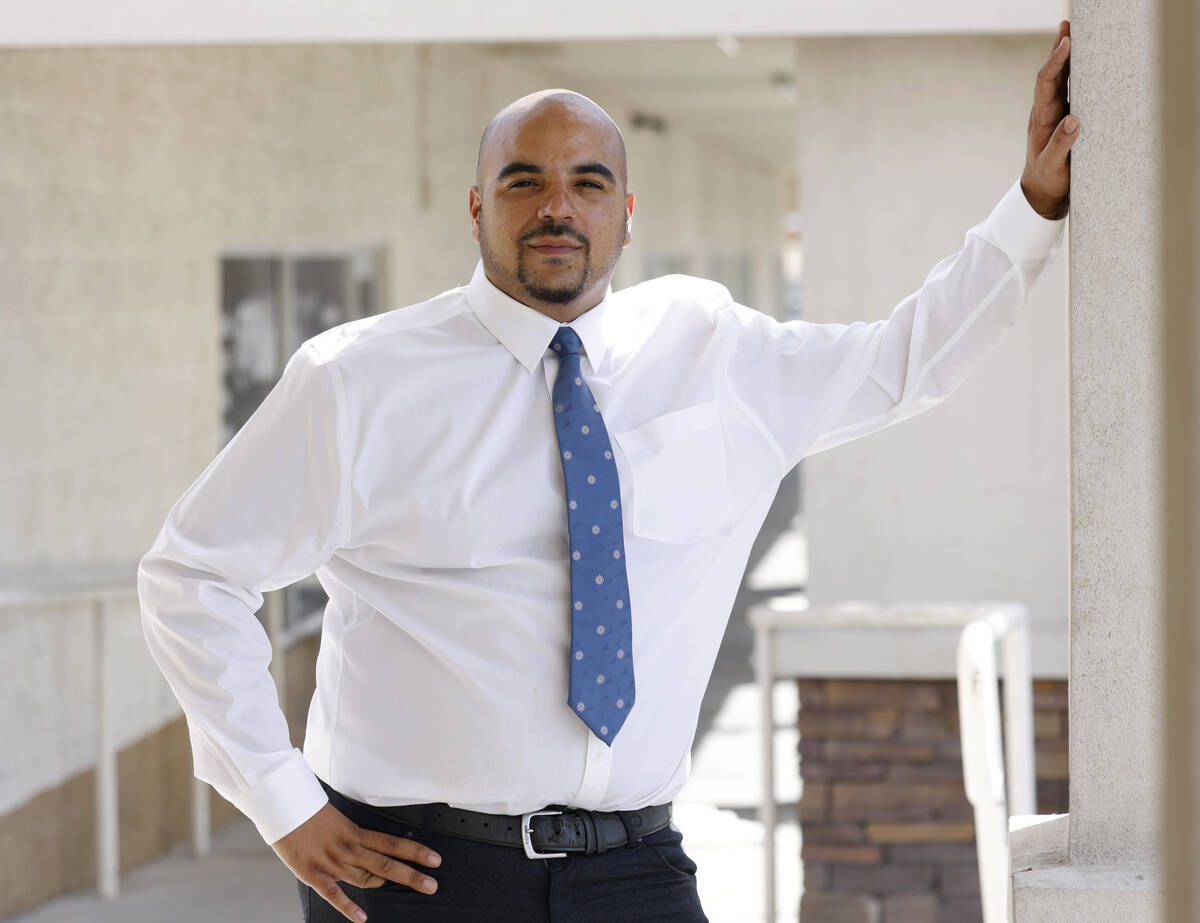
(556,230)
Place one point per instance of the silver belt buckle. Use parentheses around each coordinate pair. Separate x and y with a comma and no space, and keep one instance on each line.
(527,836)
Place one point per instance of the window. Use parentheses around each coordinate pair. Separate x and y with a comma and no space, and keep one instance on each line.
(270,304)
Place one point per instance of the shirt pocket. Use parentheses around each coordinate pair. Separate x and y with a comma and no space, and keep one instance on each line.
(680,482)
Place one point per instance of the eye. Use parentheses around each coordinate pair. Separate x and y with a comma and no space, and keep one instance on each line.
(592,183)
(519,182)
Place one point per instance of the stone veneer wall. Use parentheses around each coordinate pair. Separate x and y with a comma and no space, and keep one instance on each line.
(888,834)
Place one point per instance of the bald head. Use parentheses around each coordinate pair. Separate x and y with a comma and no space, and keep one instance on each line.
(556,106)
(549,208)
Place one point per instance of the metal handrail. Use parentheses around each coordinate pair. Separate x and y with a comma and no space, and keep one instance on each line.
(99,591)
(983,754)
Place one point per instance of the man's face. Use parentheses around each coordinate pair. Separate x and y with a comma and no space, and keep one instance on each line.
(550,211)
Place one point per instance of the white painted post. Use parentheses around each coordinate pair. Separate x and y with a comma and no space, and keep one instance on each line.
(983,763)
(107,844)
(766,684)
(201,823)
(1018,712)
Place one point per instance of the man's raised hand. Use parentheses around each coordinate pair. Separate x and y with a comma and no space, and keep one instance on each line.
(1046,181)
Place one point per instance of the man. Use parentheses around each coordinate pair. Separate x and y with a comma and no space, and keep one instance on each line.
(503,694)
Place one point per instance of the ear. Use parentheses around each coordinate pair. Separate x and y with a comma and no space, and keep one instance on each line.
(628,219)
(474,206)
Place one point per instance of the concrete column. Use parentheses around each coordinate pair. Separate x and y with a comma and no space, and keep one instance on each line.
(1180,96)
(1107,867)
(1116,540)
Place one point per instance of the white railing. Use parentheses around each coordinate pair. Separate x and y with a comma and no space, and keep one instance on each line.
(913,641)
(99,592)
(983,754)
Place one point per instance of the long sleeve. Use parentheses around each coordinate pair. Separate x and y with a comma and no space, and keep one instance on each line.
(810,387)
(267,511)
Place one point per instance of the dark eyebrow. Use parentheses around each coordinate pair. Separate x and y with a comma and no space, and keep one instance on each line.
(597,168)
(517,166)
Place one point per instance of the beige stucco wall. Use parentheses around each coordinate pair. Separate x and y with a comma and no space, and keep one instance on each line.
(123,175)
(905,143)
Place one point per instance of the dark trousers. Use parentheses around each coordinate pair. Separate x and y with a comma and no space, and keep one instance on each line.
(653,880)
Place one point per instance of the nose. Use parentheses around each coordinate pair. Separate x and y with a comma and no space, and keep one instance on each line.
(557,204)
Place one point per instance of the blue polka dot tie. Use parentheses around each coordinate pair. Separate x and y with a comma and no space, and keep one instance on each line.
(601,687)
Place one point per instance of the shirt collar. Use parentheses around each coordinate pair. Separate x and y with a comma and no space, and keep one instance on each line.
(526,332)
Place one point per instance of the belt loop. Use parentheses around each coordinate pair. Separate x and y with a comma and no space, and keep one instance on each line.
(592,843)
(633,838)
(427,822)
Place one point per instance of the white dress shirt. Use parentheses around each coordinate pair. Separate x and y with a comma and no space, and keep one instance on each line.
(410,460)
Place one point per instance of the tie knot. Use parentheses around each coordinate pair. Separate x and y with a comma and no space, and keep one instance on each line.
(566,342)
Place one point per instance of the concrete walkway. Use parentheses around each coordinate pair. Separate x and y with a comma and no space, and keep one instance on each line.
(244,880)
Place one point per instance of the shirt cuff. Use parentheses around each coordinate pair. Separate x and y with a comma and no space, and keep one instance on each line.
(1019,230)
(283,799)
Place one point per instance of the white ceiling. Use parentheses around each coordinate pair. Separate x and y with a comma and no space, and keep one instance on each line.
(671,64)
(172,22)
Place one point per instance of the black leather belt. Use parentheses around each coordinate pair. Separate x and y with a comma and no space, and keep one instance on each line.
(547,834)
